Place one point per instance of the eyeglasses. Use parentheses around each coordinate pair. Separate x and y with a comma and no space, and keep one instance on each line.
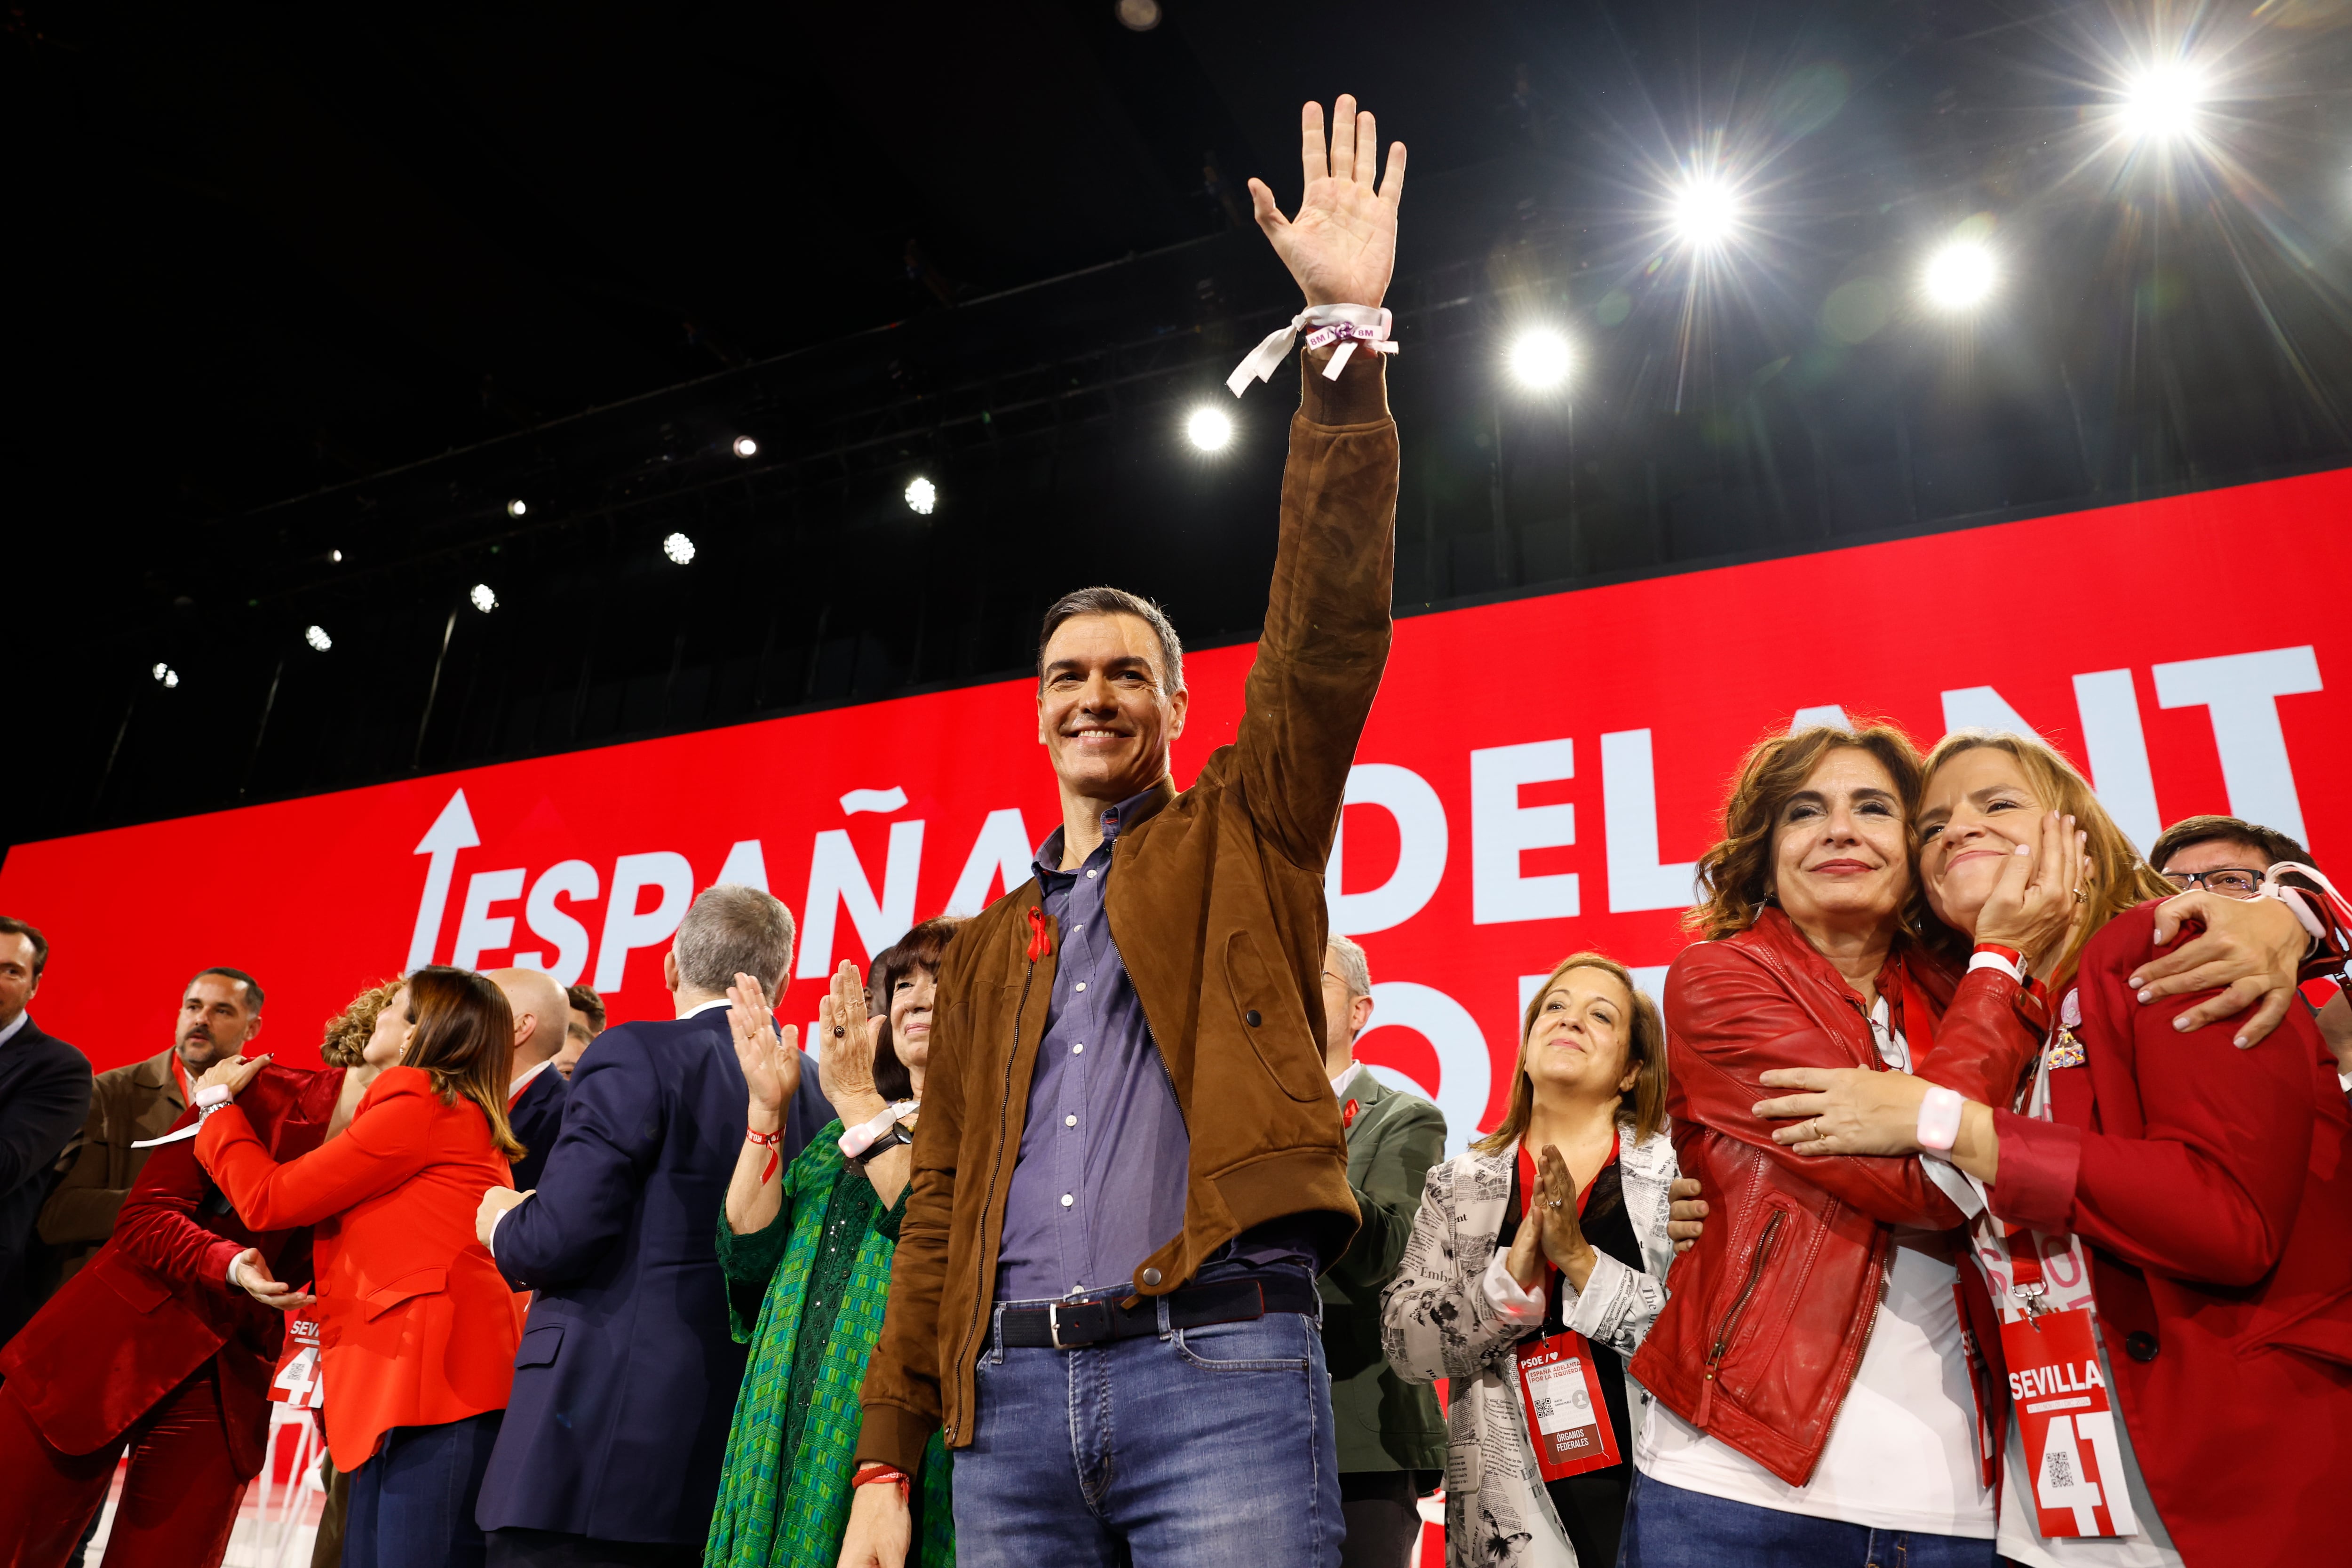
(2230,881)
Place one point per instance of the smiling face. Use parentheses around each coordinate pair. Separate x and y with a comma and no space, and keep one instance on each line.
(1581,1046)
(1104,711)
(1840,855)
(1978,808)
(911,1017)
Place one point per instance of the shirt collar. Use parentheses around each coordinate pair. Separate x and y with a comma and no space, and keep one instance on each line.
(1049,862)
(517,1085)
(1339,1085)
(13,1030)
(698,1012)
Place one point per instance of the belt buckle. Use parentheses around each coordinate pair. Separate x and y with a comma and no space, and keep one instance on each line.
(1053,1326)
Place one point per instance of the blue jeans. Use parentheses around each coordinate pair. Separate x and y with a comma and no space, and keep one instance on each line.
(1668,1527)
(1206,1447)
(413,1504)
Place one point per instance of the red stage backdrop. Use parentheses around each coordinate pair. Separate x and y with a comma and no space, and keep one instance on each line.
(1536,778)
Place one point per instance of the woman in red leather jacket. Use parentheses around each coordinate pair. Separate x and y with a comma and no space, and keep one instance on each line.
(2168,1233)
(1815,1395)
(417,1328)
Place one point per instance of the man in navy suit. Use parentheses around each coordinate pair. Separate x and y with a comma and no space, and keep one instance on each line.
(534,1089)
(626,1377)
(44,1088)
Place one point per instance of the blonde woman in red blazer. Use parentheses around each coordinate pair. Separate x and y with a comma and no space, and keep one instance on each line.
(417,1328)
(2184,1206)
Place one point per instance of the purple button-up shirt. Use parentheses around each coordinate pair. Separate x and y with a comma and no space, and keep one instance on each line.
(1098,1184)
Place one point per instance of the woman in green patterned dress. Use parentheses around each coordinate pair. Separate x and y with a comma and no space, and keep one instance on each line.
(807,1257)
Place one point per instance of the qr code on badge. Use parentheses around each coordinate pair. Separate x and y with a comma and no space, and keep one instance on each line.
(2061,1469)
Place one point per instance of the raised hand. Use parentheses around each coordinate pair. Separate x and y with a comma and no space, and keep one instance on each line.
(847,1041)
(1341,248)
(771,1062)
(2041,895)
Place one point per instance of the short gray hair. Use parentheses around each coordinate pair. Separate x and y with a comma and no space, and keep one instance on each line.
(1354,971)
(735,929)
(1116,601)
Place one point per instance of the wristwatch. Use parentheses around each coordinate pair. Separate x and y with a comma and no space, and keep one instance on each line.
(882,1145)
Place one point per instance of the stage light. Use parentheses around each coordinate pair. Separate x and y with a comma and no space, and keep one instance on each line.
(1540,359)
(336,556)
(516,507)
(484,600)
(1959,275)
(746,447)
(2162,101)
(1209,428)
(922,497)
(1704,212)
(678,548)
(318,639)
(166,677)
(1137,15)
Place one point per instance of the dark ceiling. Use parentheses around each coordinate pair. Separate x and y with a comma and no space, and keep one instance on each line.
(257,256)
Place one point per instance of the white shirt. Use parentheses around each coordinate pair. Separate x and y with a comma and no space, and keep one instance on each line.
(1339,1085)
(517,1085)
(1902,1453)
(11,1031)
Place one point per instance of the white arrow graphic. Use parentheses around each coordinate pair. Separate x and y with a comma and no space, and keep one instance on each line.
(451,831)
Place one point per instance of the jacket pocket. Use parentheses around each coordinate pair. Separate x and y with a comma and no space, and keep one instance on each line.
(136,1286)
(1270,1014)
(540,1345)
(384,1298)
(1759,1295)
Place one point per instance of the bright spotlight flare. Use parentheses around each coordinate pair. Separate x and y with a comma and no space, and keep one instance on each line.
(1704,212)
(166,677)
(1541,359)
(1209,429)
(483,599)
(1960,275)
(2162,101)
(746,447)
(318,639)
(922,497)
(678,548)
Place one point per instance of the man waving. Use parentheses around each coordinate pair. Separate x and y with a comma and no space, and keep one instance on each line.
(1129,1168)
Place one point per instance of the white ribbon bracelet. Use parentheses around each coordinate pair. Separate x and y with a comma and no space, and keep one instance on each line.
(209,1099)
(860,1138)
(1939,1119)
(1345,325)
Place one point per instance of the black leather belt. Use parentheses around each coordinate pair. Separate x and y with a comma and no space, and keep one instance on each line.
(1066,1325)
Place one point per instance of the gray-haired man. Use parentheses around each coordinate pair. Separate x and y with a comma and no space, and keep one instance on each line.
(1392,1435)
(626,1377)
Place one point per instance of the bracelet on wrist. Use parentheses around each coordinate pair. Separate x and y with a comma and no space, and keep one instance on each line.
(1939,1119)
(2011,962)
(875,1470)
(773,1144)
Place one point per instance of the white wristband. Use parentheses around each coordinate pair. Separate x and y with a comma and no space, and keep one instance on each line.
(860,1138)
(1345,325)
(1939,1119)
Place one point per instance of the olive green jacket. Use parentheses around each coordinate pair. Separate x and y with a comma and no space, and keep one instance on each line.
(1383,1422)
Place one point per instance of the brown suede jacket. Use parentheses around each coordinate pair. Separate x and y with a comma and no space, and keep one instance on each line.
(1217,904)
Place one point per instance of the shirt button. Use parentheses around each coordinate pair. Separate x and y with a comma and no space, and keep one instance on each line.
(1090,876)
(1066,1201)
(1069,1122)
(1081,986)
(1079,1050)
(2140,1346)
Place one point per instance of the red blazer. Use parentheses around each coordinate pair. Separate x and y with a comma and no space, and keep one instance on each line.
(154,1302)
(2213,1186)
(1767,1317)
(415,1326)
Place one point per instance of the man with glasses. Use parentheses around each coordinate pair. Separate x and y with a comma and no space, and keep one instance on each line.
(2229,855)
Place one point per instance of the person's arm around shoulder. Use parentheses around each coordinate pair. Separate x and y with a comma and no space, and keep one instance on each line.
(615,1115)
(2210,1187)
(1412,1140)
(390,1138)
(1728,1022)
(1328,616)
